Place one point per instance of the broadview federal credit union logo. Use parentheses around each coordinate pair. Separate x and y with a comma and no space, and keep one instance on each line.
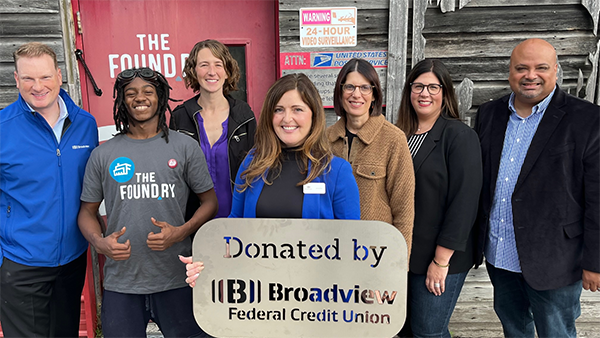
(234,291)
(291,278)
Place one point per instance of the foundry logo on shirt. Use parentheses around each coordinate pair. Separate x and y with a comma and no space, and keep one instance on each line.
(122,169)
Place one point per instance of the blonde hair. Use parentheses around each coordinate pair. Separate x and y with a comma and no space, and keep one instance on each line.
(267,149)
(32,50)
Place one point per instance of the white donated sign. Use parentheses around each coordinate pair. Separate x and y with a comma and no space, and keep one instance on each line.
(300,278)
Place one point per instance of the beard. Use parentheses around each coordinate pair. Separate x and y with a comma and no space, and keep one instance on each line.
(530,93)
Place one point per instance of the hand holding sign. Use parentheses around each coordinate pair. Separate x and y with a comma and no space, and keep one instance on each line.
(193,269)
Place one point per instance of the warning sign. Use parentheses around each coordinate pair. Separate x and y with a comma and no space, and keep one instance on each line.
(328,27)
(323,67)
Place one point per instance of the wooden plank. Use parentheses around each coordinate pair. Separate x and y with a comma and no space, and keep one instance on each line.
(590,89)
(9,45)
(579,82)
(510,3)
(475,45)
(508,19)
(372,22)
(463,3)
(396,72)
(7,78)
(68,36)
(483,312)
(30,24)
(21,7)
(593,7)
(483,291)
(476,330)
(447,6)
(496,69)
(494,330)
(588,330)
(418,41)
(489,91)
(294,5)
(464,94)
(8,95)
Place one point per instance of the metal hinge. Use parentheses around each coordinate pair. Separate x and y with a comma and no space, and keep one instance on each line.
(79,29)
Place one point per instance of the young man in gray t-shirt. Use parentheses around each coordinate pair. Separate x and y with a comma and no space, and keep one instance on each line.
(144,175)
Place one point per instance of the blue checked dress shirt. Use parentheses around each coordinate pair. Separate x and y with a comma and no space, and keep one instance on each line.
(501,248)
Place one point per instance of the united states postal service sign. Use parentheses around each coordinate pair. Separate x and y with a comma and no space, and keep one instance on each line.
(300,278)
(328,27)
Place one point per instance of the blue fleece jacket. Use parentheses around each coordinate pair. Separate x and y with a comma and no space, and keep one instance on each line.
(340,200)
(40,184)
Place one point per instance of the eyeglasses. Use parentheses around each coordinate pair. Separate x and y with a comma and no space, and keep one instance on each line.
(145,73)
(364,89)
(432,88)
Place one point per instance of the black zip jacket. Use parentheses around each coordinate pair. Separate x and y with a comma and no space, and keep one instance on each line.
(241,128)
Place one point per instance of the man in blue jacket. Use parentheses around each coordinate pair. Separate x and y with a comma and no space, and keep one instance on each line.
(45,142)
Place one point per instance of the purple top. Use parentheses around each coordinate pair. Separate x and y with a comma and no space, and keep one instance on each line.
(218,166)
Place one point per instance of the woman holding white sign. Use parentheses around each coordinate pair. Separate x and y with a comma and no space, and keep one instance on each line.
(375,148)
(447,165)
(291,171)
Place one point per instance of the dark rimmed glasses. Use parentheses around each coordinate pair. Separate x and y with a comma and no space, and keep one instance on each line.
(432,88)
(144,73)
(364,89)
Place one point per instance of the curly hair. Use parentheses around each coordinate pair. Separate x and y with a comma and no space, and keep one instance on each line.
(268,147)
(219,51)
(120,112)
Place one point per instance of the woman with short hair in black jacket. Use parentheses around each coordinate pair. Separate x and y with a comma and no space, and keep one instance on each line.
(223,126)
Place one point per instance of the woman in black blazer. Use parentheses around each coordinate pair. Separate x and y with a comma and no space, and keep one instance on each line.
(448,177)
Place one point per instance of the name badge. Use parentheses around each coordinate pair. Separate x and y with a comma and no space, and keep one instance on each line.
(314,188)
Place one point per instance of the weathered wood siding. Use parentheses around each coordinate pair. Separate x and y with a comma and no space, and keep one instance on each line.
(474,38)
(26,21)
(475,41)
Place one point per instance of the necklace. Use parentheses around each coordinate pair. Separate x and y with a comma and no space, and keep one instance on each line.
(425,129)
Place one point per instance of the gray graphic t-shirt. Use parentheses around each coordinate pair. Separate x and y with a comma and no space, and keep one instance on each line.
(140,179)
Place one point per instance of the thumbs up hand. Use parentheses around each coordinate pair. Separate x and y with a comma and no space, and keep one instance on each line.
(167,236)
(110,246)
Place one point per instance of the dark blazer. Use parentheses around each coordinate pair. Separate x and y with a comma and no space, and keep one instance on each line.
(556,198)
(447,186)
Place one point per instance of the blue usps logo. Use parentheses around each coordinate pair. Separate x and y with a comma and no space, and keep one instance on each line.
(322,60)
(122,169)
